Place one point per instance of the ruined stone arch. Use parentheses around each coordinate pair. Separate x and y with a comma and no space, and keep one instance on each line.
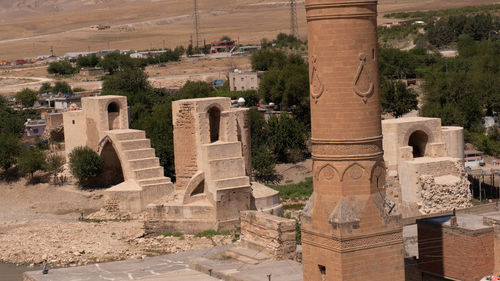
(113,172)
(213,114)
(113,109)
(418,137)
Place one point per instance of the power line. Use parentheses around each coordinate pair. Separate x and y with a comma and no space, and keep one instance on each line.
(294,27)
(196,24)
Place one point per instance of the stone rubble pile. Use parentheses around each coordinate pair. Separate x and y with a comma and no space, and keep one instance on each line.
(80,243)
(445,193)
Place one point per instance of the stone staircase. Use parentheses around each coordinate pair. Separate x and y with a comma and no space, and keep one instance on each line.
(226,166)
(141,169)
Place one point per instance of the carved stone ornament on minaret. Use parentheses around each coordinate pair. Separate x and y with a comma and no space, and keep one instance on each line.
(350,229)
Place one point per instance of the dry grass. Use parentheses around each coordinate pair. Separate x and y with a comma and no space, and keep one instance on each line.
(64,23)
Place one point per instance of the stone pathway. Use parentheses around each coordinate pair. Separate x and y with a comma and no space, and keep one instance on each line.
(177,267)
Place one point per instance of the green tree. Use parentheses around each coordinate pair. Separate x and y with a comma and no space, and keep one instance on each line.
(126,81)
(225,38)
(263,163)
(396,98)
(31,160)
(61,68)
(27,97)
(267,58)
(11,121)
(88,61)
(45,88)
(287,138)
(85,164)
(10,148)
(115,61)
(62,87)
(55,165)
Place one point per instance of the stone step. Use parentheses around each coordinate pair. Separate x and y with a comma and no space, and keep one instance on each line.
(229,182)
(154,181)
(139,153)
(226,168)
(144,163)
(148,173)
(129,135)
(218,150)
(158,190)
(135,144)
(248,256)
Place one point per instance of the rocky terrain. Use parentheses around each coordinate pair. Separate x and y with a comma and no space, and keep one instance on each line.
(40,223)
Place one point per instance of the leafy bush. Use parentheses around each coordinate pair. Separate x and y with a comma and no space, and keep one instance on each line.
(85,164)
(55,165)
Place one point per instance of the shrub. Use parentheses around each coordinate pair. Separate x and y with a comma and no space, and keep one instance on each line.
(173,234)
(85,164)
(55,165)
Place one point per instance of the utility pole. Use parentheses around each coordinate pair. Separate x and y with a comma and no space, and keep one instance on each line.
(294,27)
(52,51)
(196,24)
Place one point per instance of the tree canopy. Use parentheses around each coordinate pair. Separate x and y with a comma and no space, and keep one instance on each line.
(27,97)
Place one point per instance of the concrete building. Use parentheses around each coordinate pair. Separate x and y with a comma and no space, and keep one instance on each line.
(243,81)
(350,228)
(130,165)
(34,127)
(425,164)
(464,247)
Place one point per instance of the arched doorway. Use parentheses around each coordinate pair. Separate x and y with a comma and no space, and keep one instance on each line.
(113,114)
(418,140)
(214,120)
(112,168)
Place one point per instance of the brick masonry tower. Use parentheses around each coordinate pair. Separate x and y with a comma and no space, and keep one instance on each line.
(350,230)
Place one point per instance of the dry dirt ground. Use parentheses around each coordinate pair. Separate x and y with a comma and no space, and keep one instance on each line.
(169,75)
(31,27)
(40,223)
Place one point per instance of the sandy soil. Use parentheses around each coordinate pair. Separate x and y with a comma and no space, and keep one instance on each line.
(40,223)
(142,24)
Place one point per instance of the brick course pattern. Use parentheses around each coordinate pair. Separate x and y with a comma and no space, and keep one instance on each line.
(267,233)
(350,230)
(457,253)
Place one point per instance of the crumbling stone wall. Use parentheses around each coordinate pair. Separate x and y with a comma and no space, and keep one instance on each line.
(444,193)
(267,233)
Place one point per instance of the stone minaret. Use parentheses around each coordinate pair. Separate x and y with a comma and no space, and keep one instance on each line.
(350,231)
